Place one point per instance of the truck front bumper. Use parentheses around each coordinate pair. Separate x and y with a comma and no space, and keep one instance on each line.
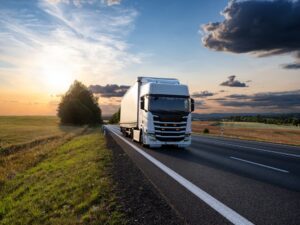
(153,142)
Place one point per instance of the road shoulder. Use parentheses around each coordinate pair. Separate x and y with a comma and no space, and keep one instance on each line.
(139,199)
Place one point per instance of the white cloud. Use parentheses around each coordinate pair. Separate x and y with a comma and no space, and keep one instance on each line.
(79,3)
(113,2)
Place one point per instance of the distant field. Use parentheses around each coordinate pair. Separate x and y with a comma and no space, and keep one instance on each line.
(64,180)
(251,131)
(15,130)
(259,125)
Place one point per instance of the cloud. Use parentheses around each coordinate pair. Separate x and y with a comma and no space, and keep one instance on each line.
(217,99)
(263,28)
(287,100)
(295,65)
(110,90)
(292,66)
(113,2)
(200,105)
(87,43)
(238,96)
(231,82)
(202,94)
(79,3)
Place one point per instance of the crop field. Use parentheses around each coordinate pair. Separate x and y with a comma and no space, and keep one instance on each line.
(61,180)
(251,131)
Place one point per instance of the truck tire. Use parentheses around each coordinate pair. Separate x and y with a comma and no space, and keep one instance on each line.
(131,134)
(123,131)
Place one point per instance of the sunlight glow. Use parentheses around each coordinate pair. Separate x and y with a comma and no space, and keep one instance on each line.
(57,78)
(57,68)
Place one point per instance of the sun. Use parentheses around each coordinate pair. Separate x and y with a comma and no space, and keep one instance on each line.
(57,77)
(57,69)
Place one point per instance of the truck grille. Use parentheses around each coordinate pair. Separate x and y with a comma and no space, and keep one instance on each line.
(170,128)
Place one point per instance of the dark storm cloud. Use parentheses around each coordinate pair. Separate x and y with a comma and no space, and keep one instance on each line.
(261,27)
(202,94)
(110,90)
(231,82)
(278,100)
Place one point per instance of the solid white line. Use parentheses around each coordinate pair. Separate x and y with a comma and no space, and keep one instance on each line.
(224,210)
(259,149)
(259,164)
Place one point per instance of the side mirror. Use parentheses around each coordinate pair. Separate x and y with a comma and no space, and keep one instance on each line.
(192,105)
(142,103)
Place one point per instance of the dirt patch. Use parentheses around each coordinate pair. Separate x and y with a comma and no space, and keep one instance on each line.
(139,199)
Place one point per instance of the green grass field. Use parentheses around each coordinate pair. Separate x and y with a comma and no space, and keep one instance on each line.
(62,181)
(17,130)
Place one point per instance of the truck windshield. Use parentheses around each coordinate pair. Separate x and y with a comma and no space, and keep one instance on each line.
(162,103)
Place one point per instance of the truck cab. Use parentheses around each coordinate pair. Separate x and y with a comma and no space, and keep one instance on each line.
(163,114)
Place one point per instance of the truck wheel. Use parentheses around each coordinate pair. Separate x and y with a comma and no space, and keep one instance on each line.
(124,132)
(131,134)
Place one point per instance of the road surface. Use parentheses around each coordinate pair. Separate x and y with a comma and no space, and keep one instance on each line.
(223,181)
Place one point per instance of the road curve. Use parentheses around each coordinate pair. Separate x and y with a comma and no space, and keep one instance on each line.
(223,181)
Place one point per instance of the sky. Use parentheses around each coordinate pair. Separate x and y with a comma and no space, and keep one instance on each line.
(235,56)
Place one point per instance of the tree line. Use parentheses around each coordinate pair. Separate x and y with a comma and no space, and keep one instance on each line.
(280,119)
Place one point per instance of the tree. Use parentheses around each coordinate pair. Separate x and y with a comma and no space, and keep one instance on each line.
(79,106)
(115,118)
(206,131)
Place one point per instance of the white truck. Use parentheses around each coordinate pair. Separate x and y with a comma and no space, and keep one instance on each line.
(156,112)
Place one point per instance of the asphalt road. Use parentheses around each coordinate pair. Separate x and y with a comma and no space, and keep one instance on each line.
(224,181)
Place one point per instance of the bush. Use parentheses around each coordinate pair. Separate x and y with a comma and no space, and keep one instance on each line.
(78,106)
(206,131)
(115,118)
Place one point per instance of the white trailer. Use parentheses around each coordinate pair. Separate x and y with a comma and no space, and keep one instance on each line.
(156,112)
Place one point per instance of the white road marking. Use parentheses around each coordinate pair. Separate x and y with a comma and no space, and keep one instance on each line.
(259,164)
(221,208)
(259,149)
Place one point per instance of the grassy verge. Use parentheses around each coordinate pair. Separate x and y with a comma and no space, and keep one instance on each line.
(250,131)
(17,160)
(70,185)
